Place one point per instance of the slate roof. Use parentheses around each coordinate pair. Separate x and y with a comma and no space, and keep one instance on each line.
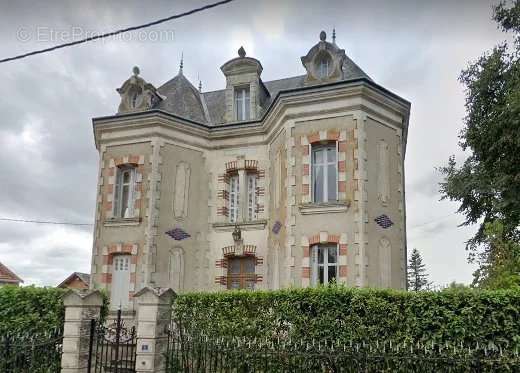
(8,276)
(181,98)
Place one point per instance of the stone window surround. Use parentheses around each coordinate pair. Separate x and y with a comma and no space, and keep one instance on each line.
(136,161)
(323,237)
(330,135)
(108,253)
(232,167)
(234,252)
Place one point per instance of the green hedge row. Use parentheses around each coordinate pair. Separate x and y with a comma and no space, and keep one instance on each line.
(345,314)
(30,309)
(33,310)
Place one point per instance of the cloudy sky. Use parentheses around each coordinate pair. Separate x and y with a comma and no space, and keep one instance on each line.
(49,162)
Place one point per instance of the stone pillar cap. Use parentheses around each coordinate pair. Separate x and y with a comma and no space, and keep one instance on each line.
(157,294)
(83,298)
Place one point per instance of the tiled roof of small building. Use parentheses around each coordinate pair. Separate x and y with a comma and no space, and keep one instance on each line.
(85,277)
(8,276)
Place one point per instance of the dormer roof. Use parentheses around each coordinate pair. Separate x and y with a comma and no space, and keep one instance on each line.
(8,276)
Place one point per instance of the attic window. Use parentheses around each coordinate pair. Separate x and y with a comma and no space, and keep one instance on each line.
(324,66)
(242,103)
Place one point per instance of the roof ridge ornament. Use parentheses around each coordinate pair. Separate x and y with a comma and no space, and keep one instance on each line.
(241,52)
(182,63)
(136,70)
(323,35)
(334,35)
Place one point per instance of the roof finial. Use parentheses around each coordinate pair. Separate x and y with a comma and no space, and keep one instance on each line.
(334,35)
(182,63)
(200,83)
(136,70)
(323,36)
(242,52)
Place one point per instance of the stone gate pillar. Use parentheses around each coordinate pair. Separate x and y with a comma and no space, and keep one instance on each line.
(153,316)
(80,308)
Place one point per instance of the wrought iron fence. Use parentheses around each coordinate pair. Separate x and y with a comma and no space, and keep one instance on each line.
(31,353)
(112,348)
(188,353)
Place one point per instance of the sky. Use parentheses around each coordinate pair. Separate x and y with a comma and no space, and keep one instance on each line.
(416,49)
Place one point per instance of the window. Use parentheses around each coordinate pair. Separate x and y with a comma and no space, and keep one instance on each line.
(324,260)
(324,173)
(241,273)
(119,297)
(124,192)
(234,198)
(251,196)
(324,67)
(242,103)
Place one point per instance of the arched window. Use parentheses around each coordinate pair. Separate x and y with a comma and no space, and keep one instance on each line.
(324,66)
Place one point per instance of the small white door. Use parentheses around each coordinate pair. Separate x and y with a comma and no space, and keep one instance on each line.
(120,282)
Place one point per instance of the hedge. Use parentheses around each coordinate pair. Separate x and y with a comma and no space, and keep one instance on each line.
(32,310)
(356,315)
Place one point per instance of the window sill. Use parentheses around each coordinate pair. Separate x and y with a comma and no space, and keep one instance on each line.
(245,225)
(324,208)
(122,222)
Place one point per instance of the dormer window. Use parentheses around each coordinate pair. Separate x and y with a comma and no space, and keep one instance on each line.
(324,67)
(242,103)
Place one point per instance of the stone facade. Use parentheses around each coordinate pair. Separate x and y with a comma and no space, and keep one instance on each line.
(187,150)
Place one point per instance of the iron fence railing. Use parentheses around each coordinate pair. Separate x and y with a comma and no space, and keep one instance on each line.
(187,353)
(31,353)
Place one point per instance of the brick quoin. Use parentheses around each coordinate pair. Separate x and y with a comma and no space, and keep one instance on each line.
(342,271)
(332,135)
(305,169)
(306,251)
(306,272)
(342,166)
(305,150)
(342,146)
(315,137)
(342,249)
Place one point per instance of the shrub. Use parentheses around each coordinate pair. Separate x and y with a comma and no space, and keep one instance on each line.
(342,314)
(30,309)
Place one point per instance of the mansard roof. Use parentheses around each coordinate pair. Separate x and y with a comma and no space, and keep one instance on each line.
(183,99)
(8,276)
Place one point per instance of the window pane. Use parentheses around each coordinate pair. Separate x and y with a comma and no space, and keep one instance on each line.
(317,186)
(318,156)
(332,254)
(126,177)
(249,265)
(240,114)
(321,279)
(331,153)
(331,273)
(246,106)
(331,182)
(321,254)
(124,200)
(235,284)
(234,266)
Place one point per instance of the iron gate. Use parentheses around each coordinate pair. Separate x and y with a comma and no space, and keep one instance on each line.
(112,348)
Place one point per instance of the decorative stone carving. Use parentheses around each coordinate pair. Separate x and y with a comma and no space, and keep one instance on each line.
(176,269)
(385,262)
(181,192)
(324,61)
(137,95)
(383,172)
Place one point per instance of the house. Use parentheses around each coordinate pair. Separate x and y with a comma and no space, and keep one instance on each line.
(76,280)
(260,185)
(8,277)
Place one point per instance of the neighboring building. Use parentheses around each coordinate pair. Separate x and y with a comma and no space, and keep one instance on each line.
(8,277)
(309,168)
(76,280)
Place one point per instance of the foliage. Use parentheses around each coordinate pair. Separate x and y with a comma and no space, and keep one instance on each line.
(487,183)
(33,310)
(417,276)
(346,315)
(501,268)
(30,309)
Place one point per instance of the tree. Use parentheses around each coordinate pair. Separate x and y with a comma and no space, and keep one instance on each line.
(487,183)
(417,276)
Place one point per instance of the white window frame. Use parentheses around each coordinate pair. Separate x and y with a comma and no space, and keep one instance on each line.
(242,100)
(326,198)
(118,193)
(251,195)
(315,265)
(234,197)
(325,61)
